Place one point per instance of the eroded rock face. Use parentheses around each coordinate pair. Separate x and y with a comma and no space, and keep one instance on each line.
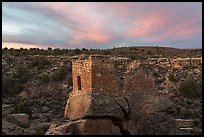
(124,112)
(85,127)
(40,126)
(19,119)
(92,105)
(11,129)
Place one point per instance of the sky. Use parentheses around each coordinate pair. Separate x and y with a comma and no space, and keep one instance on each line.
(101,25)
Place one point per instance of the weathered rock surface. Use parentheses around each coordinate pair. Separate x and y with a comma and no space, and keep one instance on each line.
(85,127)
(19,119)
(40,126)
(6,110)
(125,111)
(12,129)
(158,123)
(92,105)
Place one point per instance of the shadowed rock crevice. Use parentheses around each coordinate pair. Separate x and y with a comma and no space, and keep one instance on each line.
(115,121)
(126,113)
(123,131)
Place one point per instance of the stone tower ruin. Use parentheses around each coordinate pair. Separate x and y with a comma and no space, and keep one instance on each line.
(93,74)
(97,73)
(109,90)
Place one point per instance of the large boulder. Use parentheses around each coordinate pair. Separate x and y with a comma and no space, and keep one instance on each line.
(85,127)
(20,119)
(89,105)
(12,129)
(57,129)
(6,110)
(40,127)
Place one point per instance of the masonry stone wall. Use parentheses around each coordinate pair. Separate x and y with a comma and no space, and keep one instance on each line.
(103,76)
(100,74)
(83,69)
(179,62)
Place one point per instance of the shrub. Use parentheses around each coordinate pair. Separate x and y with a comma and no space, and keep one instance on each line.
(122,52)
(22,108)
(21,74)
(57,51)
(106,52)
(5,48)
(172,77)
(197,131)
(49,48)
(84,49)
(190,88)
(40,62)
(156,74)
(60,74)
(10,86)
(77,51)
(149,52)
(44,78)
(40,132)
(132,56)
(198,122)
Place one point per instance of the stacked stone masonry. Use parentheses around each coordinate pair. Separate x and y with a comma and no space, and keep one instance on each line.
(98,74)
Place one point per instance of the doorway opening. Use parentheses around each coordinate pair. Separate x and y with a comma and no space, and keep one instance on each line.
(79,82)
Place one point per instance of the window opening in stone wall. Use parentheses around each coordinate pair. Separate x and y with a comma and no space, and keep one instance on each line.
(79,82)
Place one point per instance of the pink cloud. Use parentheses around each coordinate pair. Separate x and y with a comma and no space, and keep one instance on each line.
(90,26)
(181,31)
(106,23)
(91,35)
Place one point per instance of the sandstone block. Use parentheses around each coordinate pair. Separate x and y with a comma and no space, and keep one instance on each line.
(19,119)
(85,127)
(12,129)
(92,105)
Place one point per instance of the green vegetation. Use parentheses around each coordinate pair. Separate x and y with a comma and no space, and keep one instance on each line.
(40,132)
(77,51)
(149,52)
(49,48)
(197,131)
(22,108)
(172,77)
(10,86)
(21,75)
(60,74)
(190,88)
(44,78)
(106,52)
(132,56)
(40,62)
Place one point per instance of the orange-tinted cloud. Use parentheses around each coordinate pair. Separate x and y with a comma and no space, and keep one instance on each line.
(21,45)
